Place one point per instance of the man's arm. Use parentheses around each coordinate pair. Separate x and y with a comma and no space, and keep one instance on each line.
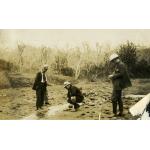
(69,96)
(36,81)
(120,73)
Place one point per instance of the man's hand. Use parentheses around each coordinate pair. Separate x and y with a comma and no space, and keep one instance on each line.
(110,76)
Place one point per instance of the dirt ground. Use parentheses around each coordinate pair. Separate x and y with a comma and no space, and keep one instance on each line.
(18,103)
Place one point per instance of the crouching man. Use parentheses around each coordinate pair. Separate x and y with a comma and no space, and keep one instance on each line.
(74,95)
(120,80)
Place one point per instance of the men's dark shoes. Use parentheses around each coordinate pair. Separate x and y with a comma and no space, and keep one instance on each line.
(47,103)
(120,115)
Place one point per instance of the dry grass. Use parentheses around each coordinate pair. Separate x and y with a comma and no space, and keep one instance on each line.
(4,80)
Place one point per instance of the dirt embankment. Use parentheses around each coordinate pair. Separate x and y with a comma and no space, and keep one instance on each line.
(4,80)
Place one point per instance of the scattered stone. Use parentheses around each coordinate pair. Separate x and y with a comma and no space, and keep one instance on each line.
(86,107)
(96,94)
(91,104)
(90,115)
(92,98)
(3,95)
(107,112)
(134,97)
(126,107)
(91,92)
(106,109)
(83,114)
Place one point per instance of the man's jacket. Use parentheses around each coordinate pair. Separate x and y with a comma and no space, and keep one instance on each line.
(75,92)
(38,84)
(120,78)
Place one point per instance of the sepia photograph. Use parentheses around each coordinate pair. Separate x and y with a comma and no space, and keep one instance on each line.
(74,74)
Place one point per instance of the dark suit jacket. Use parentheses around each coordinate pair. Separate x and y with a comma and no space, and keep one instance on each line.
(37,83)
(121,78)
(74,91)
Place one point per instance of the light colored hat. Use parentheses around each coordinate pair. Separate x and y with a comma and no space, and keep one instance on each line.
(45,66)
(113,56)
(67,83)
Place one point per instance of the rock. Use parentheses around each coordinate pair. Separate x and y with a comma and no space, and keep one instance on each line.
(83,114)
(3,95)
(96,94)
(15,107)
(90,115)
(92,98)
(107,112)
(86,107)
(134,97)
(106,109)
(91,104)
(91,92)
(126,107)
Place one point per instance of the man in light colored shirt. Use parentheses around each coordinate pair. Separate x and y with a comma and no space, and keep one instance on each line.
(40,85)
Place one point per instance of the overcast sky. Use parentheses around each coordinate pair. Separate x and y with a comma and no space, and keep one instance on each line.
(74,37)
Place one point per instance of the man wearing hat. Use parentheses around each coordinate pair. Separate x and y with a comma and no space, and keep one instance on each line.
(120,80)
(40,85)
(74,95)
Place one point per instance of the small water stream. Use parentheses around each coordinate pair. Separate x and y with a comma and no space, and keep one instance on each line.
(47,114)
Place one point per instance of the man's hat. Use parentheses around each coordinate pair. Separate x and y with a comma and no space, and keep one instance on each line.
(113,56)
(66,83)
(45,66)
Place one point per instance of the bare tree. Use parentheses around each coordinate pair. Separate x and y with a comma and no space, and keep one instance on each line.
(99,51)
(44,55)
(21,47)
(78,65)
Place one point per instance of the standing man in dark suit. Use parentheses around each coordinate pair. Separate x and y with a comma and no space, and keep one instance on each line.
(120,80)
(40,85)
(74,95)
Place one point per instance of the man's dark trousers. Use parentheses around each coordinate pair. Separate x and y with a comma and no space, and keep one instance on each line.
(116,99)
(75,102)
(40,94)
